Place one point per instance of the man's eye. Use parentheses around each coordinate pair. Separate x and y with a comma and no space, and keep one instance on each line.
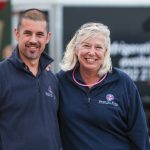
(27,33)
(40,34)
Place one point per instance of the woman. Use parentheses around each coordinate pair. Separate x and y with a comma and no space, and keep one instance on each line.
(100,107)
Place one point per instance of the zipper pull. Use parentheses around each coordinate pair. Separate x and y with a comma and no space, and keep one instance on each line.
(89,99)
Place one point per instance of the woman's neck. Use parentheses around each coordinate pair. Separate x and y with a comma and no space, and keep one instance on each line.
(89,77)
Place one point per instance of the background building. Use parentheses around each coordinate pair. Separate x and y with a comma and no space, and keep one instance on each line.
(5,24)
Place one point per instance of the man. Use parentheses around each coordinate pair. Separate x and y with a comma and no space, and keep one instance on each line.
(28,92)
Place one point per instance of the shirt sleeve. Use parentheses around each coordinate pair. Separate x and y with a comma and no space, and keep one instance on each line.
(137,124)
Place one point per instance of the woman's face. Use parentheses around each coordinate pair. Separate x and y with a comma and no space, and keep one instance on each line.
(91,53)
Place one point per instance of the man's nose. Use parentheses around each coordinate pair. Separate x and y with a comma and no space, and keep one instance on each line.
(33,39)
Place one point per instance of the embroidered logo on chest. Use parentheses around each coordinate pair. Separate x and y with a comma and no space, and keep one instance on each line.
(50,93)
(109,100)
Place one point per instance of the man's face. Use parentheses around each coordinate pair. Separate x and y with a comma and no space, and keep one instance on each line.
(32,37)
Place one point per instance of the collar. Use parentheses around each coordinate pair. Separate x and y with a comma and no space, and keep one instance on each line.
(111,76)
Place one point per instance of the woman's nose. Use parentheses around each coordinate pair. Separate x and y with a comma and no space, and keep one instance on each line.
(92,50)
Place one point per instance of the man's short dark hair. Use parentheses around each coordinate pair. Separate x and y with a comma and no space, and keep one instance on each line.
(33,14)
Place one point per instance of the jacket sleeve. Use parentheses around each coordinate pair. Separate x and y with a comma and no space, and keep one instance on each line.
(137,125)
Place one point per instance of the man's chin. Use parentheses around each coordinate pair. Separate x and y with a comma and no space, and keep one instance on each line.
(32,57)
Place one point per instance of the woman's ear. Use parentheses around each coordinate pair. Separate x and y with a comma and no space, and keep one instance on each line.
(105,51)
(76,50)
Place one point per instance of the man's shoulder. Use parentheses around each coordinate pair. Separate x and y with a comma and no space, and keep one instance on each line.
(4,64)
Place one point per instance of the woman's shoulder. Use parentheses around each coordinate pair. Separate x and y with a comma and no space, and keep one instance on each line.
(122,75)
(63,74)
(60,74)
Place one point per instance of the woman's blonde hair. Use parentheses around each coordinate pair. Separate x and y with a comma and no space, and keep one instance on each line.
(87,30)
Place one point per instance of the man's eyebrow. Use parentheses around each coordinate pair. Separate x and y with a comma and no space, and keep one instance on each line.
(27,31)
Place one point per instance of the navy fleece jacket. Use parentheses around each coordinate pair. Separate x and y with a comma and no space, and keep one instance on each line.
(109,116)
(28,106)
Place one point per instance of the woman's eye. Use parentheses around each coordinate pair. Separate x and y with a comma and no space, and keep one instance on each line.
(99,47)
(86,46)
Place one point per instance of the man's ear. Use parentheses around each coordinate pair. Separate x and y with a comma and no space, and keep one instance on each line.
(48,37)
(16,33)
